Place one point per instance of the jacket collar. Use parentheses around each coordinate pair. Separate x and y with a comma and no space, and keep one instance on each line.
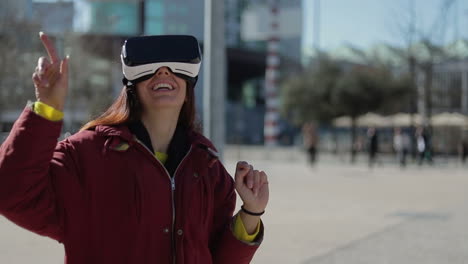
(120,131)
(124,133)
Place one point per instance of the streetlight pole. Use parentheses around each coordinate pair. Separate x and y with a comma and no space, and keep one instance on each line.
(214,72)
(316,24)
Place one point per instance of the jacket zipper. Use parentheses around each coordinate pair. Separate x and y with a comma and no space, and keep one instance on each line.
(172,180)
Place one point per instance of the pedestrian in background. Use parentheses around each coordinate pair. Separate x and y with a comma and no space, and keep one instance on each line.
(309,134)
(401,145)
(373,145)
(423,146)
(463,149)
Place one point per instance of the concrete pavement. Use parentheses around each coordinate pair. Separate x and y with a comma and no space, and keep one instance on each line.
(338,213)
(425,237)
(332,213)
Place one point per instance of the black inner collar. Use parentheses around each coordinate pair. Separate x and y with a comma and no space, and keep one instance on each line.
(139,130)
(178,147)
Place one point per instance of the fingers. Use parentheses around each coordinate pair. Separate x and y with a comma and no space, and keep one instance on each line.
(250,178)
(49,47)
(253,179)
(47,74)
(48,78)
(36,79)
(64,66)
(242,168)
(42,65)
(256,182)
(263,178)
(242,165)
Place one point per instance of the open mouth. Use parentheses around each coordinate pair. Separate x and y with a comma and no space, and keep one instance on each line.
(163,87)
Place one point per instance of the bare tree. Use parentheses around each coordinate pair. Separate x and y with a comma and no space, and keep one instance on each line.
(16,62)
(422,49)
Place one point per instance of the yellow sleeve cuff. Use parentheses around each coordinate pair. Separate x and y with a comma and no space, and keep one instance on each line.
(47,111)
(240,232)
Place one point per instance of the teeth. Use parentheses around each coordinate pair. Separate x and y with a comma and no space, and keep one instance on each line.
(163,86)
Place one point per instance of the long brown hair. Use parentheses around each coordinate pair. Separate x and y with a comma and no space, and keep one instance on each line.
(126,109)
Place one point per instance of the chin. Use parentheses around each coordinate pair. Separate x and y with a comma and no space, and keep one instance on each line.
(166,105)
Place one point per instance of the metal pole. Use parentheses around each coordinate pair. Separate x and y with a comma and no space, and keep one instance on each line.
(421,91)
(271,79)
(141,17)
(207,70)
(316,24)
(464,83)
(214,90)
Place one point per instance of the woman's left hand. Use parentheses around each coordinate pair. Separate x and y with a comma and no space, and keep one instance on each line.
(252,186)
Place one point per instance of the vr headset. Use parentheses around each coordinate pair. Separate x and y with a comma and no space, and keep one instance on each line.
(143,56)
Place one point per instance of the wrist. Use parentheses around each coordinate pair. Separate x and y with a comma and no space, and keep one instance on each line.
(56,106)
(249,222)
(253,207)
(252,210)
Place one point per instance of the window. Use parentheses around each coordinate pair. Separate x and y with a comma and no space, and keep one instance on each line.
(154,27)
(154,9)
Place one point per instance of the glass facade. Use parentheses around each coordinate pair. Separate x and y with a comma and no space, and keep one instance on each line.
(154,13)
(170,17)
(114,18)
(122,17)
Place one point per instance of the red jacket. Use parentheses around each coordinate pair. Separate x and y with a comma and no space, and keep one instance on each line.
(109,203)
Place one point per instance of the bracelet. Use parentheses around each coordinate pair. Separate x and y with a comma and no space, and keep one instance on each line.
(251,213)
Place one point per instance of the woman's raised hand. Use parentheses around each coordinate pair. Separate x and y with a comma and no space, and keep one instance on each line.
(51,76)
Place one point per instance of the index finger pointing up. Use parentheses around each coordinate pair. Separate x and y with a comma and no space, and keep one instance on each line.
(49,47)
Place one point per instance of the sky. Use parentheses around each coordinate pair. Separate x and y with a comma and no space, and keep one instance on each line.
(363,23)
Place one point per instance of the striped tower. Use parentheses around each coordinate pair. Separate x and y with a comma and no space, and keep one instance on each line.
(271,130)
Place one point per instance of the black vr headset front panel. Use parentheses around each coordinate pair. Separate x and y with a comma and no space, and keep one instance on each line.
(152,49)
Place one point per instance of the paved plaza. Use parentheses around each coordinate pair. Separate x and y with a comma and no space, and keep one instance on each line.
(332,213)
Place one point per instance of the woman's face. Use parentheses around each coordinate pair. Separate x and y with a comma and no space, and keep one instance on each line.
(164,90)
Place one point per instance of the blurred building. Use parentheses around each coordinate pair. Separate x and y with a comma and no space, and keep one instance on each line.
(450,86)
(99,28)
(113,21)
(237,10)
(20,10)
(246,97)
(130,18)
(55,17)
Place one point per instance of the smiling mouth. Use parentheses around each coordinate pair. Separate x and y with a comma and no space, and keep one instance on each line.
(163,87)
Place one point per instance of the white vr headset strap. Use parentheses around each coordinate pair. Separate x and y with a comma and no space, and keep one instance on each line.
(135,72)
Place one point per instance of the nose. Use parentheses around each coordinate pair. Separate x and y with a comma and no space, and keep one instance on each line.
(163,71)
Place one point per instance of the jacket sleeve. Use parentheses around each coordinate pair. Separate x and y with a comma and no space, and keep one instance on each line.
(28,188)
(226,248)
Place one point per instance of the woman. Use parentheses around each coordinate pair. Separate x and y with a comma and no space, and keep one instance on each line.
(138,184)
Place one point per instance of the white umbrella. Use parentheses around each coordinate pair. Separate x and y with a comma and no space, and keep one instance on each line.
(342,121)
(450,119)
(372,119)
(404,119)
